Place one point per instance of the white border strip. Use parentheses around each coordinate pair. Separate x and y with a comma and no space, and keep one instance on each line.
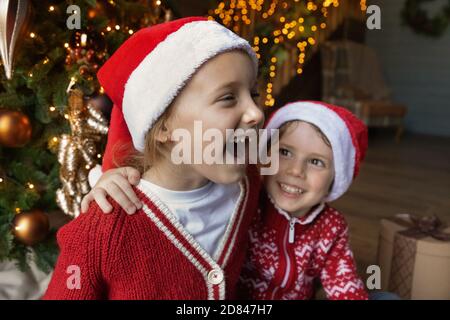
(180,247)
(189,238)
(238,226)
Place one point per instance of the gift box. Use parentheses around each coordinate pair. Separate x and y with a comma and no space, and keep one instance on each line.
(414,257)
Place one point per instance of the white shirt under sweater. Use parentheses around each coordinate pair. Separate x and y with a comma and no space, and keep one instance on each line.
(204,212)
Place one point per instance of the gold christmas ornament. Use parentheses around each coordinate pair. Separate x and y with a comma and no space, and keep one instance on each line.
(77,152)
(31,227)
(13,16)
(15,129)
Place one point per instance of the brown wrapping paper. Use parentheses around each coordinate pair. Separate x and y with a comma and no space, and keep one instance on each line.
(414,267)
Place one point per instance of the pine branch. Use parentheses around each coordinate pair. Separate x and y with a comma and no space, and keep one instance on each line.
(46,253)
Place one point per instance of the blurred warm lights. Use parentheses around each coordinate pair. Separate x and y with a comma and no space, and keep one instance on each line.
(237,14)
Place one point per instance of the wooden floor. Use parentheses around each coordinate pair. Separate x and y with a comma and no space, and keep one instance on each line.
(410,177)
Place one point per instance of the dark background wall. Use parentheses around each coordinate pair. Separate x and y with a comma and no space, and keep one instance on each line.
(416,67)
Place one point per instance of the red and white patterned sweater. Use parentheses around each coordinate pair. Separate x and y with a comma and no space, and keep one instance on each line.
(287,254)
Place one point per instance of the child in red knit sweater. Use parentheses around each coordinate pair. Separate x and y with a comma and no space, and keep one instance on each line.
(297,237)
(188,239)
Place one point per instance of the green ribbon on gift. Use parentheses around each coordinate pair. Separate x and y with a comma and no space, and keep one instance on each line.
(421,227)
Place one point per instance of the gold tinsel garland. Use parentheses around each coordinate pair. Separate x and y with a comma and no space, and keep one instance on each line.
(77,152)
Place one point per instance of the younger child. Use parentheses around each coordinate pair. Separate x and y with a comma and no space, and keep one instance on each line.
(298,237)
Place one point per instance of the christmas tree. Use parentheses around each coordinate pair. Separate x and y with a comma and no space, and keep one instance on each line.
(52,110)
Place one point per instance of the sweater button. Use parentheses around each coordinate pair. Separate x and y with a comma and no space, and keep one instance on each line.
(215,276)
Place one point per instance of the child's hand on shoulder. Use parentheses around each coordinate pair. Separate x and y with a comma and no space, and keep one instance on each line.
(117,184)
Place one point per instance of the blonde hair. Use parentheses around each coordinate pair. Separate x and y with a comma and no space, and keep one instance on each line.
(154,150)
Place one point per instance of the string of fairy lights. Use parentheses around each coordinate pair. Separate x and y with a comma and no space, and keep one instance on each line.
(241,14)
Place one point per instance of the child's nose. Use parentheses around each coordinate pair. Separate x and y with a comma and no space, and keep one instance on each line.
(253,115)
(297,170)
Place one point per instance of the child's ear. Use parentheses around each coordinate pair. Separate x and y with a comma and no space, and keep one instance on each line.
(163,134)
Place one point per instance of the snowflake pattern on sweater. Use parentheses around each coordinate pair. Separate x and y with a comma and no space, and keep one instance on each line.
(282,265)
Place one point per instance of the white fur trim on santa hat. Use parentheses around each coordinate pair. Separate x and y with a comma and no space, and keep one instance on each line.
(158,79)
(334,128)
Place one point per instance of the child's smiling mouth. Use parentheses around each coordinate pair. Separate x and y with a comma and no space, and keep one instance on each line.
(290,190)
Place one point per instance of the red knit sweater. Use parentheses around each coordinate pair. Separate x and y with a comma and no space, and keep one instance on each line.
(286,254)
(148,255)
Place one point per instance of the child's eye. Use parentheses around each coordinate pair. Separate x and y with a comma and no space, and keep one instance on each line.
(285,152)
(228,97)
(227,100)
(317,162)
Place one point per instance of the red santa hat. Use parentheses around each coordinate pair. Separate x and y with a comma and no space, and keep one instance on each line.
(148,71)
(346,133)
